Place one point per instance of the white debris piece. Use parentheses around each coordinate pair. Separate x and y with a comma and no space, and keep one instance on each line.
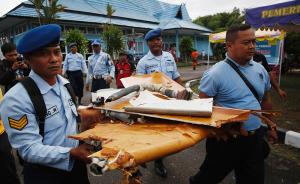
(149,103)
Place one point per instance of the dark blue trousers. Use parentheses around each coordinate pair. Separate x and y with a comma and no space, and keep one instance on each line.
(38,174)
(76,80)
(99,84)
(244,154)
(8,172)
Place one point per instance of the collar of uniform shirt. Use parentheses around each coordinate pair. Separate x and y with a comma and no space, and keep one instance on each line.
(151,56)
(42,84)
(96,55)
(56,88)
(250,63)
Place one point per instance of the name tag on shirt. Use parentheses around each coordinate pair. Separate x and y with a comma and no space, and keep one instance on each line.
(170,68)
(149,67)
(51,111)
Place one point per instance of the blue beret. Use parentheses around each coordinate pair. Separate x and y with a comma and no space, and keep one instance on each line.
(153,34)
(38,38)
(96,42)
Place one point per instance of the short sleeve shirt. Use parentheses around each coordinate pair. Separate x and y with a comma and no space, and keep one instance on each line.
(166,64)
(228,89)
(74,62)
(19,118)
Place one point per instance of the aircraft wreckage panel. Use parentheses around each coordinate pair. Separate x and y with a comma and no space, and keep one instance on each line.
(146,142)
(219,115)
(143,142)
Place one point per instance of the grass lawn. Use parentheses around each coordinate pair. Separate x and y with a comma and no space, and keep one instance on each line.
(290,108)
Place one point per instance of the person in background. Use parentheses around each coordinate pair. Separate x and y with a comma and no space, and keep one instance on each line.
(158,60)
(101,70)
(203,54)
(8,171)
(195,55)
(173,52)
(12,68)
(123,68)
(243,154)
(261,59)
(74,66)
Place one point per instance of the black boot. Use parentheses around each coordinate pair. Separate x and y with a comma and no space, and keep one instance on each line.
(160,169)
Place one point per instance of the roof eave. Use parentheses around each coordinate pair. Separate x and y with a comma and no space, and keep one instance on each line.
(202,31)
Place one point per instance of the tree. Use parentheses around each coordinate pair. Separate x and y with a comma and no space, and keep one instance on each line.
(38,6)
(221,21)
(112,35)
(292,48)
(75,36)
(292,43)
(110,11)
(186,47)
(219,51)
(47,10)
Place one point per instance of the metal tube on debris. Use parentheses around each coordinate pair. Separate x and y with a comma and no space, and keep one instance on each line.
(123,92)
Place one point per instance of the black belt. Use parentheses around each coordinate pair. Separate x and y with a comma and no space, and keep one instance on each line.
(75,71)
(97,76)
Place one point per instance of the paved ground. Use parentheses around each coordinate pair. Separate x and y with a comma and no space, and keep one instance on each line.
(279,170)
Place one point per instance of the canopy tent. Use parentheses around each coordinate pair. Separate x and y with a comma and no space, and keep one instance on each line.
(259,34)
(282,16)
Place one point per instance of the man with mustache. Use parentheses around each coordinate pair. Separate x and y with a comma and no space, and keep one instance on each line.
(157,60)
(49,156)
(161,61)
(101,70)
(243,154)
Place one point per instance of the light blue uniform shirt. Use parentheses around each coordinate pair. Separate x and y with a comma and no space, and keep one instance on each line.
(74,62)
(228,89)
(54,149)
(100,64)
(165,63)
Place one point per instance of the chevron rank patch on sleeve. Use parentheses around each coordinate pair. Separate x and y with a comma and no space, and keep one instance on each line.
(18,124)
